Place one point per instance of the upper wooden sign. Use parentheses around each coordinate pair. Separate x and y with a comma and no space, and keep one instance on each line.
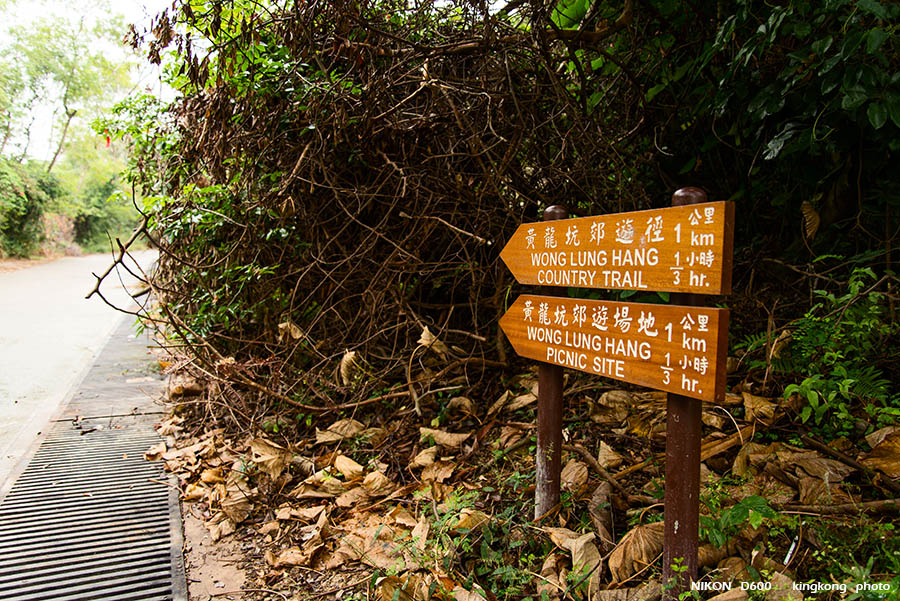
(667,347)
(676,249)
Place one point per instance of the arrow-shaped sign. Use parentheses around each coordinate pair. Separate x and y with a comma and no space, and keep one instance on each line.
(667,347)
(676,249)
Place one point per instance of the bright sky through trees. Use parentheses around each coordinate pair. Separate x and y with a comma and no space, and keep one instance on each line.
(43,126)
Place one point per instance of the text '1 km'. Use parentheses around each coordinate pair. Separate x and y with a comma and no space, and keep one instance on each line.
(675,249)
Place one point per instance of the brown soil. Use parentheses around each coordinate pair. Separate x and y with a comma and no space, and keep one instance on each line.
(8,265)
(212,568)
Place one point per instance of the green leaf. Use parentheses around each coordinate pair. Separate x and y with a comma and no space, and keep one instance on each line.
(821,46)
(652,92)
(875,39)
(853,98)
(851,43)
(877,114)
(801,30)
(692,162)
(893,107)
(568,13)
(873,7)
(755,519)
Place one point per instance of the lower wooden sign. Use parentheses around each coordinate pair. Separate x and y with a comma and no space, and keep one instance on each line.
(667,347)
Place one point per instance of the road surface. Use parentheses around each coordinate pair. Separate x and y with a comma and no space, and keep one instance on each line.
(49,336)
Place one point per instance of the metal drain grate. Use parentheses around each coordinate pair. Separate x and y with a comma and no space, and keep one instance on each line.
(89,518)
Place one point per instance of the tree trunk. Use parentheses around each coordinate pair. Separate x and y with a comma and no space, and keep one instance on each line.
(27,141)
(62,138)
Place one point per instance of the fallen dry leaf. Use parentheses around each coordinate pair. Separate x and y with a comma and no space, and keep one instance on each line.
(430,341)
(269,457)
(194,492)
(649,591)
(445,439)
(638,548)
(714,420)
(326,483)
(749,456)
(354,496)
(885,457)
(408,587)
(212,476)
(220,525)
(875,438)
(815,491)
(497,405)
(562,537)
(733,568)
(311,491)
(272,527)
(288,329)
(294,556)
(377,484)
(309,514)
(372,542)
(758,408)
(374,436)
(438,471)
(573,476)
(424,458)
(461,594)
(339,430)
(283,512)
(170,426)
(509,435)
(181,386)
(599,509)
(616,398)
(782,588)
(766,486)
(521,401)
(349,468)
(586,564)
(461,404)
(470,519)
(829,470)
(402,516)
(349,368)
(607,457)
(155,452)
(419,534)
(611,408)
(236,504)
(552,583)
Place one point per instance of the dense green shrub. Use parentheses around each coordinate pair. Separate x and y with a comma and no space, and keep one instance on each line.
(25,191)
(103,213)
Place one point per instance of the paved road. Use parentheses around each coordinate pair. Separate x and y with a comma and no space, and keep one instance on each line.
(49,336)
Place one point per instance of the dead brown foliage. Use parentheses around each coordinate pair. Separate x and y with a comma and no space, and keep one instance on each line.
(347,175)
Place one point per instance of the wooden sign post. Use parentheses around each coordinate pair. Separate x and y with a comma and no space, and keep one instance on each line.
(679,348)
(548,455)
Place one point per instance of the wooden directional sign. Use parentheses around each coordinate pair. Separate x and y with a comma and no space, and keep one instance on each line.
(667,347)
(676,249)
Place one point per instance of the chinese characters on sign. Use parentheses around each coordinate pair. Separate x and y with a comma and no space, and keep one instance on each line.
(672,348)
(676,249)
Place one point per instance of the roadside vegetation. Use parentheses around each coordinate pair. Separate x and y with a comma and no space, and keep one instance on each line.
(68,197)
(330,195)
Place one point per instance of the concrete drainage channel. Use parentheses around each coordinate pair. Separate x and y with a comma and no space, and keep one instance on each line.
(88,518)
